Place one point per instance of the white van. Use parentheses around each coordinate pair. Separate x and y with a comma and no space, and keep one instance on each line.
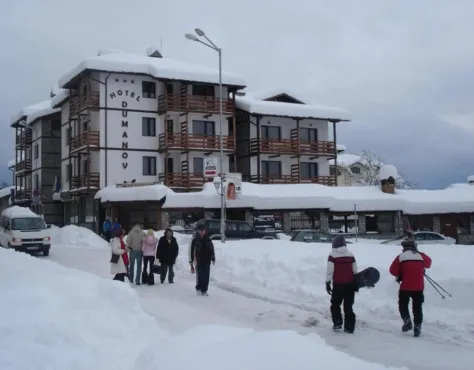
(24,230)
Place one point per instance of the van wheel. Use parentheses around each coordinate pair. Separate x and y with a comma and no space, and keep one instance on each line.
(46,252)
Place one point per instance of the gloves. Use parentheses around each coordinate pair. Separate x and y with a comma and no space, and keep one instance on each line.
(328,287)
(398,279)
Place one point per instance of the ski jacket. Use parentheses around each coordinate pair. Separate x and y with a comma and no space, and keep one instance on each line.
(149,246)
(167,250)
(341,267)
(409,267)
(201,250)
(135,238)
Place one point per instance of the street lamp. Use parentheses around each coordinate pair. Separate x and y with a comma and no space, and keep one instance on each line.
(213,46)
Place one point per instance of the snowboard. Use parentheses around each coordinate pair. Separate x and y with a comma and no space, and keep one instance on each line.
(368,277)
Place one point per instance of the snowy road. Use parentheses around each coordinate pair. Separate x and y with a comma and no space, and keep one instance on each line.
(177,308)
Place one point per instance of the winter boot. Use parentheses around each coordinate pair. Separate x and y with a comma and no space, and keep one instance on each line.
(337,326)
(407,325)
(349,330)
(417,330)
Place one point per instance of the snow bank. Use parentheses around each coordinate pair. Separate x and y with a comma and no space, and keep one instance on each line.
(387,171)
(295,272)
(60,318)
(33,112)
(133,193)
(457,198)
(75,236)
(156,67)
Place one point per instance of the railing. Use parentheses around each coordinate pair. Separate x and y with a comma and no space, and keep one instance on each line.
(24,139)
(317,147)
(291,146)
(197,142)
(193,103)
(282,179)
(22,195)
(86,139)
(85,181)
(322,180)
(183,180)
(78,103)
(24,165)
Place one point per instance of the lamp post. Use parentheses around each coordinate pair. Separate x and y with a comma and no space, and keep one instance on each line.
(213,46)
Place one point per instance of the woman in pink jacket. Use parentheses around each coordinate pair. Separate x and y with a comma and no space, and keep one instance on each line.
(149,249)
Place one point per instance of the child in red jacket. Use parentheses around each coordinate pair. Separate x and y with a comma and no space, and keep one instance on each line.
(409,269)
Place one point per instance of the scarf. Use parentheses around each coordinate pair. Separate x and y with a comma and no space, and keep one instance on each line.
(125,255)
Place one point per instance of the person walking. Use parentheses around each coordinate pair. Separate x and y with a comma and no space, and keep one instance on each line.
(119,259)
(201,255)
(166,253)
(134,244)
(149,250)
(409,270)
(341,269)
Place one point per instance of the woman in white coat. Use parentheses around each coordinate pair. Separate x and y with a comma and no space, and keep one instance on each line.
(119,259)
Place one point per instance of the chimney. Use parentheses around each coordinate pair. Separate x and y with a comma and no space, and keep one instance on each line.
(153,52)
(387,177)
(470,180)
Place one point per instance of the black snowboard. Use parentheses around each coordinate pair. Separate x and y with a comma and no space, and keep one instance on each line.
(368,277)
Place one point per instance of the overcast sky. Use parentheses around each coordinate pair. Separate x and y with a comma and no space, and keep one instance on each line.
(405,69)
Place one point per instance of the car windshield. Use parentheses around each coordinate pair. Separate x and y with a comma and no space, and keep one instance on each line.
(28,223)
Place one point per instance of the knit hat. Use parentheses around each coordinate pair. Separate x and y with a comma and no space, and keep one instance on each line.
(408,243)
(339,241)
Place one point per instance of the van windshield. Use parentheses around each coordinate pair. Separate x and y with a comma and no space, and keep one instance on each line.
(28,223)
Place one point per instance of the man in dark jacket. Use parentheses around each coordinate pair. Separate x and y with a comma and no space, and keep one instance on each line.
(167,252)
(201,254)
(341,269)
(409,270)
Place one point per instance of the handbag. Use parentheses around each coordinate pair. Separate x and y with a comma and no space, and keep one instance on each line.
(156,269)
(114,258)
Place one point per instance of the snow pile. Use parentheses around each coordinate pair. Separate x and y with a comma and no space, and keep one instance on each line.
(75,236)
(161,68)
(470,179)
(71,317)
(346,160)
(295,272)
(387,171)
(34,112)
(457,198)
(133,193)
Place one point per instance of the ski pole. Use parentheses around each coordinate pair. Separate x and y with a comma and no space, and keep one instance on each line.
(435,288)
(439,286)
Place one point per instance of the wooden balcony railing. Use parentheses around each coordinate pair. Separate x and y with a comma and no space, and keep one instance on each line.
(87,139)
(24,165)
(291,146)
(90,181)
(78,103)
(193,103)
(24,139)
(195,142)
(183,180)
(321,180)
(23,195)
(282,179)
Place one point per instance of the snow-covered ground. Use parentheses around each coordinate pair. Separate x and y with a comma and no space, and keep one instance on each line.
(271,286)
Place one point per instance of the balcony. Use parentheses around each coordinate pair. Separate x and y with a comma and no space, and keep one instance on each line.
(24,139)
(203,143)
(23,195)
(291,147)
(24,165)
(282,179)
(80,103)
(193,103)
(85,182)
(183,180)
(321,180)
(326,148)
(86,140)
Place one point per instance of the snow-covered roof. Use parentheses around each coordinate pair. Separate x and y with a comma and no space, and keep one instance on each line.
(346,160)
(341,148)
(60,96)
(164,68)
(17,211)
(270,108)
(33,112)
(133,193)
(458,198)
(5,192)
(21,158)
(272,92)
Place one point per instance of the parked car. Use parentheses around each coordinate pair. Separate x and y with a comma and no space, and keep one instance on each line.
(425,237)
(312,236)
(24,230)
(234,230)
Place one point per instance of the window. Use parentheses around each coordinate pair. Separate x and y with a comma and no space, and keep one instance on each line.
(37,182)
(332,171)
(148,89)
(30,223)
(271,169)
(230,226)
(68,172)
(203,90)
(169,88)
(433,236)
(309,170)
(271,132)
(148,126)
(245,227)
(205,128)
(149,166)
(169,125)
(309,134)
(355,170)
(36,151)
(68,135)
(198,165)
